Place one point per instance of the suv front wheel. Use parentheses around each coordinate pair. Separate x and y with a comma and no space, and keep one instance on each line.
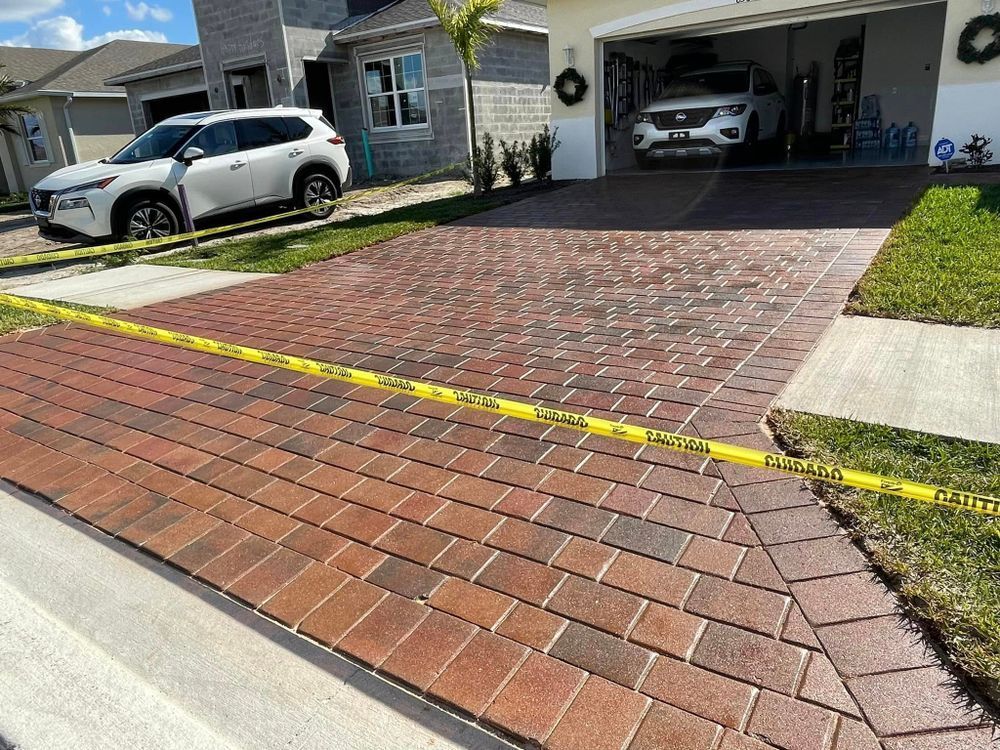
(317,188)
(148,219)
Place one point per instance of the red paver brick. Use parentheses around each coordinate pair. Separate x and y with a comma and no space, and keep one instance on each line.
(522,579)
(532,702)
(361,524)
(968,739)
(690,516)
(180,534)
(154,523)
(667,727)
(667,630)
(879,644)
(405,578)
(261,583)
(358,560)
(847,597)
(824,686)
(645,538)
(602,716)
(374,638)
(749,657)
(319,510)
(758,570)
(476,675)
(424,654)
(698,692)
(574,518)
(416,543)
(207,547)
(736,604)
(586,558)
(315,543)
(650,579)
(532,626)
(329,622)
(602,654)
(733,741)
(711,556)
(464,559)
(304,593)
(791,724)
(228,567)
(471,603)
(122,517)
(527,540)
(603,607)
(267,523)
(461,520)
(817,558)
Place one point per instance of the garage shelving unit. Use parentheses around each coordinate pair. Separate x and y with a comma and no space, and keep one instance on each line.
(846,93)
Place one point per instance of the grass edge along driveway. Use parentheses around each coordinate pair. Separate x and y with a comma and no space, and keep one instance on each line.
(13,319)
(946,563)
(271,253)
(941,263)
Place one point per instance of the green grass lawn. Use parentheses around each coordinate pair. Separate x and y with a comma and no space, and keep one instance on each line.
(14,319)
(273,254)
(941,263)
(946,562)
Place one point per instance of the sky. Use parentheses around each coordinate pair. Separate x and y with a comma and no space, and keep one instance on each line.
(82,24)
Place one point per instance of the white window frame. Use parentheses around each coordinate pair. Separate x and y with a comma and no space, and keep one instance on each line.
(44,136)
(391,55)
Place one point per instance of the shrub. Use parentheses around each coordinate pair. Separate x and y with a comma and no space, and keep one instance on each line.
(514,160)
(540,151)
(484,163)
(978,151)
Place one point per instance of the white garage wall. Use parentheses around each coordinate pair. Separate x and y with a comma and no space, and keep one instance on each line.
(899,45)
(769,47)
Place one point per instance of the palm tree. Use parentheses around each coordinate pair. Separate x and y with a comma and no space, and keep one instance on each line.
(9,113)
(469,30)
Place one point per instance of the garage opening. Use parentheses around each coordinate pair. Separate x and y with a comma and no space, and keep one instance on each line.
(853,90)
(157,110)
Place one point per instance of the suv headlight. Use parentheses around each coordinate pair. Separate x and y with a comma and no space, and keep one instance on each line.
(67,203)
(644,117)
(95,185)
(730,111)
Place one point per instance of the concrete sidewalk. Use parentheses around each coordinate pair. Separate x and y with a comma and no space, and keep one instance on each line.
(134,286)
(940,379)
(112,650)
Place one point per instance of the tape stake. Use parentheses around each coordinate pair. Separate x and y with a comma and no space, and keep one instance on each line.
(34,259)
(943,496)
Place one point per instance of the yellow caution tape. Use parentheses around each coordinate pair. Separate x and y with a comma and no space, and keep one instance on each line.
(17,261)
(495,405)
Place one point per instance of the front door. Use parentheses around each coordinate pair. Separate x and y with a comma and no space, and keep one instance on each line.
(220,180)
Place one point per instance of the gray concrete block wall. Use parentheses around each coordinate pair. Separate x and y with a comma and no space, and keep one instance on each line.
(166,85)
(412,152)
(512,86)
(236,30)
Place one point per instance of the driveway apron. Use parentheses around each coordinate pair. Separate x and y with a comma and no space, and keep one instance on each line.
(569,590)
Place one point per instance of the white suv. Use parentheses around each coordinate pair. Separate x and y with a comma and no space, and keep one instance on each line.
(225,160)
(706,112)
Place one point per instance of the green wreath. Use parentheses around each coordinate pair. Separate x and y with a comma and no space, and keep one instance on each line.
(570,75)
(968,52)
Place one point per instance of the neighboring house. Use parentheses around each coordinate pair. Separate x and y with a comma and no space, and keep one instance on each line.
(386,67)
(75,116)
(908,59)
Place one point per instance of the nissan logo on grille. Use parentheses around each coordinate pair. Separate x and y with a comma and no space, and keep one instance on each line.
(680,117)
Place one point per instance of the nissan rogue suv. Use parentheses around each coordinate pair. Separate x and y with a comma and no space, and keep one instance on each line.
(226,161)
(704,113)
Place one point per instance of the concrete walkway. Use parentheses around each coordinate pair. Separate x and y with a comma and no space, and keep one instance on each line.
(134,286)
(112,650)
(939,379)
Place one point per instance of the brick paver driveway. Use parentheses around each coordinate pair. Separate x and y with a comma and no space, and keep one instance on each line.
(570,590)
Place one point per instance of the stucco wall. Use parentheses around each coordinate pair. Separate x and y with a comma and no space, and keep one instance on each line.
(968,95)
(56,140)
(167,85)
(101,127)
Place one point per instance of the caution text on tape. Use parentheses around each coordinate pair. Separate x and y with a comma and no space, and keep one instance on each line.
(532,413)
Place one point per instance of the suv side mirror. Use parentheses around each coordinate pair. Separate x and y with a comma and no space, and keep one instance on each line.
(191,154)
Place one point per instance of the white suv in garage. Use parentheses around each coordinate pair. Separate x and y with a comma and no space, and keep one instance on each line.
(225,160)
(703,113)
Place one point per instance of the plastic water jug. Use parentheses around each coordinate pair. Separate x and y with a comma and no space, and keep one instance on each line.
(910,135)
(892,137)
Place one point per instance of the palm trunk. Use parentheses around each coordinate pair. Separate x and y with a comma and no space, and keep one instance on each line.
(477,188)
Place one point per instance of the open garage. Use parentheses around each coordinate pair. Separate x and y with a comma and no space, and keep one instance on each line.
(849,90)
(765,83)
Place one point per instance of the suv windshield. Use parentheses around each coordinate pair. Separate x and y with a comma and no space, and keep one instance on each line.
(157,143)
(707,83)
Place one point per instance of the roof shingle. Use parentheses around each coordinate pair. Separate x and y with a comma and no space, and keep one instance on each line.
(418,12)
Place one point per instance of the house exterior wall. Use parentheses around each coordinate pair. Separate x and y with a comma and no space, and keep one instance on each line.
(150,88)
(235,33)
(56,142)
(407,153)
(100,126)
(968,96)
(307,33)
(512,86)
